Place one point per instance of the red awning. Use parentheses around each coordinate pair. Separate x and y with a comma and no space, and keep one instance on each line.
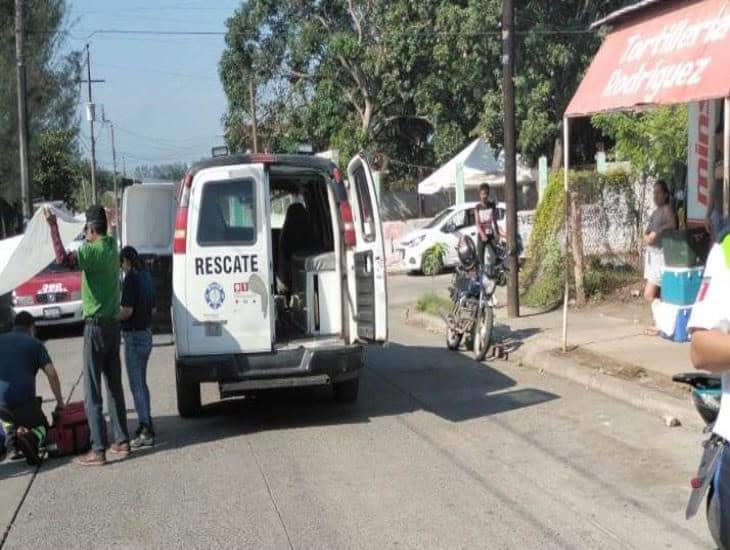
(674,55)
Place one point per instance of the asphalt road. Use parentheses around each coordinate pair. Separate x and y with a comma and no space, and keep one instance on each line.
(439,452)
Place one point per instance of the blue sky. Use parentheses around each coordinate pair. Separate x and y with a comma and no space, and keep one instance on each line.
(162,93)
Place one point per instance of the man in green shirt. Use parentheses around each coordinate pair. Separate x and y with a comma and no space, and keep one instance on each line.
(98,260)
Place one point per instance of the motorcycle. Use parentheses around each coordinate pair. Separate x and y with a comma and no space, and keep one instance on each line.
(472,296)
(706,396)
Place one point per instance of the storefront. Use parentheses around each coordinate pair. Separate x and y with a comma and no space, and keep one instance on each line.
(665,52)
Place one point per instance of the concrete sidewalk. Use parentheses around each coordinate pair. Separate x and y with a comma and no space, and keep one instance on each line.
(620,339)
(608,352)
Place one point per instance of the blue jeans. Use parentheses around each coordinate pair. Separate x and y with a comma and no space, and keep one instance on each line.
(137,350)
(722,488)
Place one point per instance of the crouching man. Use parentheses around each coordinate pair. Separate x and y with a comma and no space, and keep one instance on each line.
(21,414)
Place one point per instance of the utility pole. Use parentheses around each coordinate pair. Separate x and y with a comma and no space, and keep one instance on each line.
(510,168)
(26,197)
(254,129)
(91,116)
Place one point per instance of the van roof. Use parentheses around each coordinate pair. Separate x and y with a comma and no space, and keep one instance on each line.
(304,161)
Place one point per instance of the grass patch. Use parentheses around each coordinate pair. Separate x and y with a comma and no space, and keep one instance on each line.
(433,304)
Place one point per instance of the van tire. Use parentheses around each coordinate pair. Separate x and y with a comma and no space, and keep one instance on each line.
(189,404)
(346,392)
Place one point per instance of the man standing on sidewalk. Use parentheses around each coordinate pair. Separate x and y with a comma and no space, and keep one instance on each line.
(98,260)
(710,351)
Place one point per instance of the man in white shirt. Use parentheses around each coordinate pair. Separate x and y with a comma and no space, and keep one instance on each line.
(710,351)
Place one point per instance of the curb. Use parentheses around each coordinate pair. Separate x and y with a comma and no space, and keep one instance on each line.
(541,356)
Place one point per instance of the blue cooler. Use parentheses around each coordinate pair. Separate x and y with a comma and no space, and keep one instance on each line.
(680,285)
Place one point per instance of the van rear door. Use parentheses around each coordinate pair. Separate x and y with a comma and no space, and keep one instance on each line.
(148,218)
(228,262)
(366,263)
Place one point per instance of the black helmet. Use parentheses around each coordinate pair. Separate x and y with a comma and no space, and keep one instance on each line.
(467,252)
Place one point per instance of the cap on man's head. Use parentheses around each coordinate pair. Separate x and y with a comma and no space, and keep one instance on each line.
(95,213)
(23,320)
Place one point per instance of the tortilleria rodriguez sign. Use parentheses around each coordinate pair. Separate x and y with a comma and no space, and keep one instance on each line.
(675,55)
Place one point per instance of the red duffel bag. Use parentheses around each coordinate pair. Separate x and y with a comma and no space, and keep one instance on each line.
(70,431)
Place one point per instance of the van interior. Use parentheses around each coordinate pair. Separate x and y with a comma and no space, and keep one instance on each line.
(304,238)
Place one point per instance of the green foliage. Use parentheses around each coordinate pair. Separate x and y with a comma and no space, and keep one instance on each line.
(655,141)
(601,279)
(433,304)
(543,277)
(51,84)
(548,281)
(161,172)
(56,167)
(433,259)
(413,81)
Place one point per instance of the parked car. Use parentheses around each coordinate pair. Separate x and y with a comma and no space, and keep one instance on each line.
(53,297)
(445,229)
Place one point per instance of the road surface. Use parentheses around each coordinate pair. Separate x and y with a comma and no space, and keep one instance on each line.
(439,452)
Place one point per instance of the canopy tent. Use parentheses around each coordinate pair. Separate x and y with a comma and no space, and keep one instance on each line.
(659,53)
(480,166)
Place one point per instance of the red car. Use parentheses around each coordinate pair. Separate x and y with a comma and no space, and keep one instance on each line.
(53,297)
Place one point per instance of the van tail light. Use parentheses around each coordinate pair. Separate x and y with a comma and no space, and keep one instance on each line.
(181,217)
(348,224)
(181,230)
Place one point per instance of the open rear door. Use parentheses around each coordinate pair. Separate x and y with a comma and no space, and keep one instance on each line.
(366,263)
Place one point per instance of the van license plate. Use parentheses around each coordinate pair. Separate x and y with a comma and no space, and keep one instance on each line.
(213,329)
(51,312)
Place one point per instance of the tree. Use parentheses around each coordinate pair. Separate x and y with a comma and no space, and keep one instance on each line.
(161,172)
(655,142)
(51,77)
(56,167)
(413,81)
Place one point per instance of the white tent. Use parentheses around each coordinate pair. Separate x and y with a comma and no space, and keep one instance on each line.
(480,166)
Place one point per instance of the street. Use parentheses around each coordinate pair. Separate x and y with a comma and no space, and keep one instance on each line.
(438,452)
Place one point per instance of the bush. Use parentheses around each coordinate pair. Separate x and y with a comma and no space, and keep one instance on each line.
(433,260)
(601,279)
(543,277)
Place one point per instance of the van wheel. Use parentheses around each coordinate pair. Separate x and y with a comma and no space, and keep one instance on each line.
(188,395)
(346,392)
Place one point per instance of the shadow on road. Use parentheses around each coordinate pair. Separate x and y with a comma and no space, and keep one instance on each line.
(398,380)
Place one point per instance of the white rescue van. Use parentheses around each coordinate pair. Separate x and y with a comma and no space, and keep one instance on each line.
(278,276)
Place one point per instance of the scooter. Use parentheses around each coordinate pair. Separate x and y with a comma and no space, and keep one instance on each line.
(706,395)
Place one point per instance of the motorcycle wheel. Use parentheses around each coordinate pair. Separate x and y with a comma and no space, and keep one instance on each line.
(453,339)
(483,333)
(713,516)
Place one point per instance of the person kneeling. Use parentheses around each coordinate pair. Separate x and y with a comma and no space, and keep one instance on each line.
(21,414)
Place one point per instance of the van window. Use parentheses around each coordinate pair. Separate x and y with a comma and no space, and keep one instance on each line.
(228,213)
(366,206)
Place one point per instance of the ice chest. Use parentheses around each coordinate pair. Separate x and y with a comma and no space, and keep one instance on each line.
(686,247)
(680,285)
(672,320)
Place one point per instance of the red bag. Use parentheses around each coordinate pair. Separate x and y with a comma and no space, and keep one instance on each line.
(70,431)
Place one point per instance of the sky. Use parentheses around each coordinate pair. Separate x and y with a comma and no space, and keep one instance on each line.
(162,93)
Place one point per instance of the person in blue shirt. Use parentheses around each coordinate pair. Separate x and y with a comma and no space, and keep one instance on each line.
(21,415)
(138,301)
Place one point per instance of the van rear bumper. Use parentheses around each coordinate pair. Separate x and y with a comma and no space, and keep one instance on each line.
(286,367)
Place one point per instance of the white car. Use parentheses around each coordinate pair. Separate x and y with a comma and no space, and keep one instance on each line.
(444,228)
